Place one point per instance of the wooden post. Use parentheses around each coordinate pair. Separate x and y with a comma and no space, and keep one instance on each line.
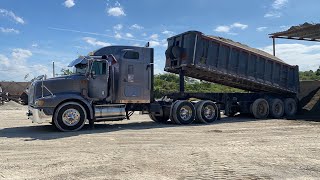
(274,46)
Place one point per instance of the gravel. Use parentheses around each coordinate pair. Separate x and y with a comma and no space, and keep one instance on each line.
(231,148)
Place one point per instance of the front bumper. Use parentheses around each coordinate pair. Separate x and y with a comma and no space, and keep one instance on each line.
(38,116)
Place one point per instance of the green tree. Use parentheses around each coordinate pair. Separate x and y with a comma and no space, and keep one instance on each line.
(169,83)
(310,75)
(66,71)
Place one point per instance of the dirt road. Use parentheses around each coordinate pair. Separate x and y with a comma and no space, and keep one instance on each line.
(232,148)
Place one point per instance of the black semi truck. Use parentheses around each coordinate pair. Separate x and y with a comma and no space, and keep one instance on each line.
(114,81)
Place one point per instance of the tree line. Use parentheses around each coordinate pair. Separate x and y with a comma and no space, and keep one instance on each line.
(168,83)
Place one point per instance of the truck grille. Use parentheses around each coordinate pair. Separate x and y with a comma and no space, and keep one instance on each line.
(31,94)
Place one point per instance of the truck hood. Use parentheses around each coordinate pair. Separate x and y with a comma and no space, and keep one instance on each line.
(59,85)
(68,77)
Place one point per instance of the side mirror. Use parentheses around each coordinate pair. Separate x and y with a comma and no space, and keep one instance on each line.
(93,74)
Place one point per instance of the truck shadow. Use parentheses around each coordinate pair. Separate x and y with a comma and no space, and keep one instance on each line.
(48,132)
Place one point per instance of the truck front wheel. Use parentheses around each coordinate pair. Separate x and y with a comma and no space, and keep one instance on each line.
(70,116)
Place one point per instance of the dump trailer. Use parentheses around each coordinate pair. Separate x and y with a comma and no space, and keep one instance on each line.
(223,61)
(15,91)
(113,82)
(272,84)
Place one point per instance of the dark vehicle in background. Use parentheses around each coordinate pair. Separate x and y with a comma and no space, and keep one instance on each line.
(15,91)
(115,81)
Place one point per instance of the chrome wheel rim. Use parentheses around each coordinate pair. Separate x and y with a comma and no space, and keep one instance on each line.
(71,117)
(185,113)
(209,112)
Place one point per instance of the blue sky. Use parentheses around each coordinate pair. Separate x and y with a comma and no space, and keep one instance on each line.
(34,33)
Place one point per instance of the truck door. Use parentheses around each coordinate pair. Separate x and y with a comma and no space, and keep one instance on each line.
(98,80)
(136,74)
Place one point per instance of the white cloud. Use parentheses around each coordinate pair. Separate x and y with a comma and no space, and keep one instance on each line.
(284,27)
(154,37)
(224,29)
(154,43)
(129,35)
(81,47)
(16,66)
(21,54)
(118,35)
(136,26)
(144,34)
(273,14)
(118,27)
(95,42)
(4,60)
(9,30)
(116,11)
(168,33)
(239,25)
(228,28)
(136,44)
(260,29)
(278,4)
(306,56)
(69,3)
(11,15)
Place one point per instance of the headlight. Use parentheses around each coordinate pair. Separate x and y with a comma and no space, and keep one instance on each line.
(39,102)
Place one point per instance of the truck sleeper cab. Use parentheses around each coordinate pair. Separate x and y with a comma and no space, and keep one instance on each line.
(105,86)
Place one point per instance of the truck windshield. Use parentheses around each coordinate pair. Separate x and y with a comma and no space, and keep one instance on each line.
(80,69)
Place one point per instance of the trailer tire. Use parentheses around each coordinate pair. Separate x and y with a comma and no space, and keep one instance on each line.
(290,107)
(183,112)
(276,108)
(206,111)
(260,108)
(70,116)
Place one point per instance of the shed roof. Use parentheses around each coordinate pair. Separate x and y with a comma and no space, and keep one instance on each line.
(306,31)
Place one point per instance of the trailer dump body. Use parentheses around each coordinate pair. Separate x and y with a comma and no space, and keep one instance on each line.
(229,63)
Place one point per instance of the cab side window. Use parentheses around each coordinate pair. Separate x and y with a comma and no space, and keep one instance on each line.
(131,55)
(99,68)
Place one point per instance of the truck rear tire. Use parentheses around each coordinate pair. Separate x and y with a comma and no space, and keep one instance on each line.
(260,108)
(290,107)
(276,108)
(206,111)
(163,117)
(70,116)
(183,112)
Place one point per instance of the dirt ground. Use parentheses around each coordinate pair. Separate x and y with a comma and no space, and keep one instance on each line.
(231,148)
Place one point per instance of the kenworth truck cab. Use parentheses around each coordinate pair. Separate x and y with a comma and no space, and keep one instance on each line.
(107,85)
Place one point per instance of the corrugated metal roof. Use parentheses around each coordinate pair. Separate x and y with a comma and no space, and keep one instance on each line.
(306,31)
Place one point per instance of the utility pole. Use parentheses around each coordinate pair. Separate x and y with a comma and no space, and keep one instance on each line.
(53,73)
